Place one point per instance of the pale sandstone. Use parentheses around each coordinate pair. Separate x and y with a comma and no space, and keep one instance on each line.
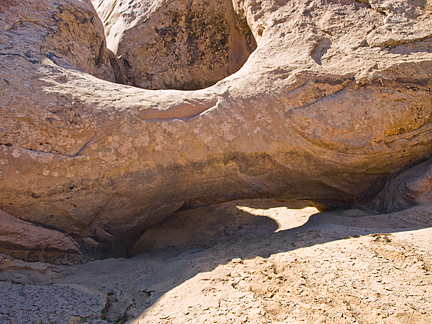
(335,100)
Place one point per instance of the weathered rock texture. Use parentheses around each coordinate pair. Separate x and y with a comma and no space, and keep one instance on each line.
(170,44)
(411,188)
(35,243)
(335,100)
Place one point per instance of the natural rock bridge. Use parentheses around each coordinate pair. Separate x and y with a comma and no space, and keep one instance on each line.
(334,100)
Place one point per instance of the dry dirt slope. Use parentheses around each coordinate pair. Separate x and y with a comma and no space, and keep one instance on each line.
(259,264)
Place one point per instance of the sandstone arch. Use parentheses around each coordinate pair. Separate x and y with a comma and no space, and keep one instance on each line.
(100,161)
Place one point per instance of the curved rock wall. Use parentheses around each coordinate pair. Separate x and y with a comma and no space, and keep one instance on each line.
(335,100)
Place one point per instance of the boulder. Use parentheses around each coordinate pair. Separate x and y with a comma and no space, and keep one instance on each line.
(170,44)
(335,100)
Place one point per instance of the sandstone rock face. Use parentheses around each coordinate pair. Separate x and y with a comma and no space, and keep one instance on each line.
(175,44)
(335,100)
(410,188)
(35,243)
(70,31)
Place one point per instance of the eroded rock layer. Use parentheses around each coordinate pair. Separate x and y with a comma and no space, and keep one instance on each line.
(335,100)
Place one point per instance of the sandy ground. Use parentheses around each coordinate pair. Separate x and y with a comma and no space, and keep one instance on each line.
(256,261)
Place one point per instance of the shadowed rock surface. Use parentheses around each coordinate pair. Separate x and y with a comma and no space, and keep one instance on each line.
(225,263)
(335,100)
